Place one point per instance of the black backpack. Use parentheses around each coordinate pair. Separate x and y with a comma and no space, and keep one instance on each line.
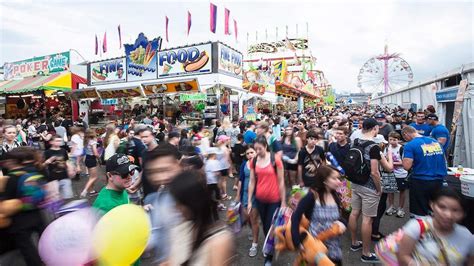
(355,164)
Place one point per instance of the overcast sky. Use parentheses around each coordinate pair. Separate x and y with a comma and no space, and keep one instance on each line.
(432,36)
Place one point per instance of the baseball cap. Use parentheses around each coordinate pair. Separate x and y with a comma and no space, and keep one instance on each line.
(379,116)
(432,117)
(380,139)
(223,138)
(173,134)
(369,123)
(118,163)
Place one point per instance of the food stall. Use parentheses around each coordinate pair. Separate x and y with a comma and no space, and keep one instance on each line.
(189,83)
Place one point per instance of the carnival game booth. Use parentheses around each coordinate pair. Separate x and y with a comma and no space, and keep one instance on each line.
(189,83)
(39,96)
(289,67)
(35,87)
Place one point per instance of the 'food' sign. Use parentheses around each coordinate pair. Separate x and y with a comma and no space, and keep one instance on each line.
(185,61)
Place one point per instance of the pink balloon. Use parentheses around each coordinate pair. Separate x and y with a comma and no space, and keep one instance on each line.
(68,240)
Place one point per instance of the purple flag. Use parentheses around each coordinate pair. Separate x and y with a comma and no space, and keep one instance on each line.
(213,17)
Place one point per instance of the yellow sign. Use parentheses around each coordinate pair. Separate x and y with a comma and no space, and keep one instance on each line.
(184,86)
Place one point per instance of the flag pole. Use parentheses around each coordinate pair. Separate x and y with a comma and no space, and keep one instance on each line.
(276,34)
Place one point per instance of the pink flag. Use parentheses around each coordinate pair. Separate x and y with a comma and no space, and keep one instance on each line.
(96,45)
(189,22)
(226,22)
(213,17)
(120,37)
(235,29)
(104,43)
(166,26)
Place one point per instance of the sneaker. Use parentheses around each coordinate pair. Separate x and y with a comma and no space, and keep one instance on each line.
(391,211)
(372,258)
(400,213)
(357,246)
(253,251)
(377,236)
(92,193)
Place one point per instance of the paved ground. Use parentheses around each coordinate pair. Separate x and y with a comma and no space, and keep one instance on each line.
(388,225)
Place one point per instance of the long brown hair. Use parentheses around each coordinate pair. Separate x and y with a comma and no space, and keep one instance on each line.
(322,174)
(90,135)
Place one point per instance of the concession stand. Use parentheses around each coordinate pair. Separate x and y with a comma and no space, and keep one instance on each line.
(187,84)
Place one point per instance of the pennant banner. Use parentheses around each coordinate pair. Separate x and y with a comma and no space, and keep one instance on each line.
(189,22)
(120,37)
(166,26)
(235,30)
(104,43)
(213,17)
(96,45)
(226,22)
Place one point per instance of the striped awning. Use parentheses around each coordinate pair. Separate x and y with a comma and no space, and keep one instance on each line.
(27,84)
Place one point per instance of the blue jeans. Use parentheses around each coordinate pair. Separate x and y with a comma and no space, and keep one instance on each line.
(266,211)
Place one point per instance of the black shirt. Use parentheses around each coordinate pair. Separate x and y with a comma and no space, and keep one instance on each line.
(57,170)
(237,150)
(135,148)
(339,152)
(305,159)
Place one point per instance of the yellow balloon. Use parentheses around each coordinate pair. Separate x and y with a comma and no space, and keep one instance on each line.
(121,235)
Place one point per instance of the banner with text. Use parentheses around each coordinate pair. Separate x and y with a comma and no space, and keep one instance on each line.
(230,61)
(107,71)
(191,60)
(43,65)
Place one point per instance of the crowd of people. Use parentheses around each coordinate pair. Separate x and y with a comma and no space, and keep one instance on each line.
(179,176)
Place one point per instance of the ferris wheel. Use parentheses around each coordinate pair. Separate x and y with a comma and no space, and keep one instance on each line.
(384,73)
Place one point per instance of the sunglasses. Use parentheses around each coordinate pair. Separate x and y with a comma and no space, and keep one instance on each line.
(325,125)
(125,175)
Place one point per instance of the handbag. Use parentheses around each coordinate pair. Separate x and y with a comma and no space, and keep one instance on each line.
(389,182)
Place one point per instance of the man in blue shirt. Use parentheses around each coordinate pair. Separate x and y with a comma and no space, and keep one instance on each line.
(250,135)
(420,125)
(439,132)
(425,157)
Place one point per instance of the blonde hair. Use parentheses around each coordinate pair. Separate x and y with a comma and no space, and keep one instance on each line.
(109,132)
(226,123)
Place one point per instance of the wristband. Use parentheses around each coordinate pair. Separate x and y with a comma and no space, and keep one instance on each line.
(318,257)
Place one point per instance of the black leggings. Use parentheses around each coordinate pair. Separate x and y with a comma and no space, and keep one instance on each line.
(380,212)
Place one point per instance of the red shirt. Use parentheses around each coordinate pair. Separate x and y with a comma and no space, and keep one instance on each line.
(267,188)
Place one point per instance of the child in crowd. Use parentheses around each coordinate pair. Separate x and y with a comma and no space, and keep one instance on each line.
(56,162)
(213,171)
(238,155)
(400,175)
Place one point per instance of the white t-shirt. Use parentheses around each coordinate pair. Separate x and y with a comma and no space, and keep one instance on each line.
(212,166)
(356,135)
(78,142)
(399,171)
(458,245)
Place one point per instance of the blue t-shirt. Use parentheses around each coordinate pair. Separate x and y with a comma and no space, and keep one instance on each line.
(429,162)
(441,131)
(423,129)
(249,136)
